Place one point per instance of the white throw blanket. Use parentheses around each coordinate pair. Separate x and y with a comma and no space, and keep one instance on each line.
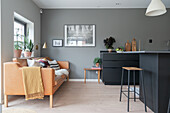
(61,72)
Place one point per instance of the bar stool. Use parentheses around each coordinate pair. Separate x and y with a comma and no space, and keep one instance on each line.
(142,83)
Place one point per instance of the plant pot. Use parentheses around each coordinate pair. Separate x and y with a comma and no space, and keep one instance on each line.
(109,50)
(27,54)
(97,64)
(17,53)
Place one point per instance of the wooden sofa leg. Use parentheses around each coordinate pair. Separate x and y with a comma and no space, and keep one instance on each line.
(6,100)
(51,101)
(67,78)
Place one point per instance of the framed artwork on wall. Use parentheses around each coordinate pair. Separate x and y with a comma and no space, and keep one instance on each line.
(79,35)
(57,43)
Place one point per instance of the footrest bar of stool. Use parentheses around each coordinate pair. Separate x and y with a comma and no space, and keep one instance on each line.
(127,91)
(131,91)
(127,96)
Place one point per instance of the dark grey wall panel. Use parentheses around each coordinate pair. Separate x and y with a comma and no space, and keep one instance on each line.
(123,24)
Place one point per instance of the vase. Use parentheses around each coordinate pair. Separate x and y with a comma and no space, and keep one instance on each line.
(17,53)
(27,54)
(109,50)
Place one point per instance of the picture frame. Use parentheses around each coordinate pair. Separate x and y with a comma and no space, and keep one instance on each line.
(57,42)
(80,35)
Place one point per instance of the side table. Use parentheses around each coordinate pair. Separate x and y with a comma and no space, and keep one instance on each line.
(92,69)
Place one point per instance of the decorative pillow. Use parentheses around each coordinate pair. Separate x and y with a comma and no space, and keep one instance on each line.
(54,64)
(43,63)
(33,63)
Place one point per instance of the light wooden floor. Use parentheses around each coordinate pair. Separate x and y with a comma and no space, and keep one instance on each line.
(77,97)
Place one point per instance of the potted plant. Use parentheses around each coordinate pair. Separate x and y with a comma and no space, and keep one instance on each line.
(109,43)
(28,45)
(17,45)
(29,48)
(17,49)
(97,61)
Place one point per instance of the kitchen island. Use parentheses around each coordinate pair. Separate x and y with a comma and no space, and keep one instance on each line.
(156,66)
(112,64)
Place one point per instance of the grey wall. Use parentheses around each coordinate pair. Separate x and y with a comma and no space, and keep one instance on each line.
(123,24)
(25,8)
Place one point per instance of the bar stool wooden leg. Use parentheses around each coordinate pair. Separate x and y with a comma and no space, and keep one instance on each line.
(121,85)
(128,89)
(134,86)
(142,80)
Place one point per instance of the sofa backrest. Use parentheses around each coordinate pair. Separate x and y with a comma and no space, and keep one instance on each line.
(36,58)
(23,62)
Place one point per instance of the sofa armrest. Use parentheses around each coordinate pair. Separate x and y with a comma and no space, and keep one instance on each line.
(64,64)
(48,78)
(13,83)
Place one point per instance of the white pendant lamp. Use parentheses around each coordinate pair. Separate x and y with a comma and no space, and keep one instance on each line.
(156,8)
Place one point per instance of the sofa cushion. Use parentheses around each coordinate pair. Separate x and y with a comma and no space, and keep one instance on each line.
(59,79)
(62,72)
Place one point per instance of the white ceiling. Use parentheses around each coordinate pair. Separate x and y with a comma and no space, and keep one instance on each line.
(96,4)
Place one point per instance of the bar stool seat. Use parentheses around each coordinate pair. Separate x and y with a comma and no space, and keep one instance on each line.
(142,83)
(132,68)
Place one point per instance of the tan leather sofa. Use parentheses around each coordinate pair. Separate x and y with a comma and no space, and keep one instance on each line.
(13,82)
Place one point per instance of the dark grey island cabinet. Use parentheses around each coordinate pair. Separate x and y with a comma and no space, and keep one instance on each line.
(156,66)
(112,64)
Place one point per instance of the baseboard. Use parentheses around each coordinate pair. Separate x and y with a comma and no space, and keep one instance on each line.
(82,80)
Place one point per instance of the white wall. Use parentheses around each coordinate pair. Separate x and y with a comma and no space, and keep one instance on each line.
(25,8)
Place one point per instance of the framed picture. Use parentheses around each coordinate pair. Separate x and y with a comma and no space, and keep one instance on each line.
(57,43)
(79,35)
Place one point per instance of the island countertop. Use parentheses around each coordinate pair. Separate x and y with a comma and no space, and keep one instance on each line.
(152,52)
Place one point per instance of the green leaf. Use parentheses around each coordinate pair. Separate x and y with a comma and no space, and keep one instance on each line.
(97,60)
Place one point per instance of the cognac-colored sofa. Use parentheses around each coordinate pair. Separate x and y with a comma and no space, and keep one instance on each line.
(13,82)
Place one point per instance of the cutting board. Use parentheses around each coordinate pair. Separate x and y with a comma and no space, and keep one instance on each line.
(128,46)
(134,44)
